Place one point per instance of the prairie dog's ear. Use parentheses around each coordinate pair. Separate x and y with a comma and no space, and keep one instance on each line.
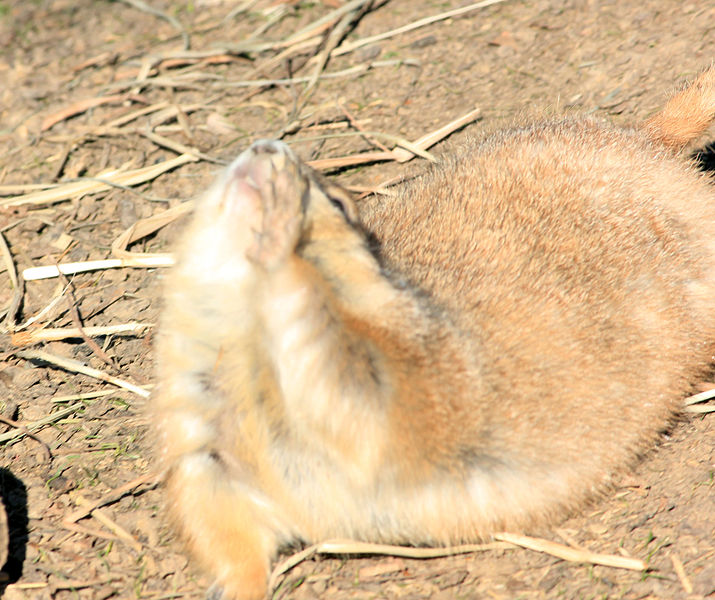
(336,194)
(342,200)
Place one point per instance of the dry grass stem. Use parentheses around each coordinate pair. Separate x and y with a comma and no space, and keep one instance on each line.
(25,338)
(429,140)
(135,114)
(680,572)
(348,547)
(75,366)
(11,436)
(339,162)
(350,46)
(9,263)
(178,147)
(27,586)
(268,65)
(241,8)
(699,410)
(77,108)
(509,540)
(407,151)
(90,531)
(701,397)
(80,188)
(18,287)
(572,554)
(150,480)
(147,226)
(168,113)
(14,189)
(48,308)
(276,16)
(136,261)
(698,398)
(72,584)
(85,396)
(349,72)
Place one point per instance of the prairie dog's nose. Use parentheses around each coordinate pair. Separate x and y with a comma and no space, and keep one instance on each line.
(260,160)
(269,147)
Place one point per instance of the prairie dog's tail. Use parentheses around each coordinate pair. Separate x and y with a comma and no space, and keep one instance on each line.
(686,115)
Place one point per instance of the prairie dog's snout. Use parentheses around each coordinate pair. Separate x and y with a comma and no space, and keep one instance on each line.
(255,168)
(260,161)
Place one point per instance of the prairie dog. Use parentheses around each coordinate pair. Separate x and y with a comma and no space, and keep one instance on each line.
(481,353)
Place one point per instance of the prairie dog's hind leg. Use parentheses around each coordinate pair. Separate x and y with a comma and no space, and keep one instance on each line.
(229,527)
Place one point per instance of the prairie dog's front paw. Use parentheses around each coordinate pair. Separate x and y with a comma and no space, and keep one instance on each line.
(270,168)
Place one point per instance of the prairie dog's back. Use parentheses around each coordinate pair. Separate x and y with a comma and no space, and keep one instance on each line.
(578,255)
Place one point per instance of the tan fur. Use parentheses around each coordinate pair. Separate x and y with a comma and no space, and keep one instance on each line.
(687,115)
(480,353)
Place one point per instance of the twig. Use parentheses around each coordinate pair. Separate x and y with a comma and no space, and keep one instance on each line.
(241,8)
(105,520)
(349,72)
(53,334)
(72,584)
(173,21)
(79,326)
(571,554)
(321,24)
(410,149)
(150,479)
(50,306)
(335,37)
(11,436)
(178,147)
(399,154)
(509,539)
(136,261)
(77,367)
(28,433)
(356,125)
(81,188)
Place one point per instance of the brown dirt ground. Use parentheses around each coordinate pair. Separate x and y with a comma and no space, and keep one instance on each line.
(616,59)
